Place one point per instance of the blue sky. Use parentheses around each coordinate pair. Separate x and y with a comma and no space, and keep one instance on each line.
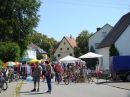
(60,18)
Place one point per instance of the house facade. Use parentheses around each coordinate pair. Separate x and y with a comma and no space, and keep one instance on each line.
(98,36)
(119,35)
(64,48)
(32,51)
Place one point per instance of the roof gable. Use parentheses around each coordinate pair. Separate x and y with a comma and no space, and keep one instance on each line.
(100,29)
(116,31)
(71,41)
(37,48)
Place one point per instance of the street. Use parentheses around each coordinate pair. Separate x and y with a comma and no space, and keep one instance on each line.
(75,90)
(11,88)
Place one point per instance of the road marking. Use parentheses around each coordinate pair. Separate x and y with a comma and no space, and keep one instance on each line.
(18,86)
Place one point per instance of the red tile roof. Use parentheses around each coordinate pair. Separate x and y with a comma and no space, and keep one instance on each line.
(70,40)
(116,31)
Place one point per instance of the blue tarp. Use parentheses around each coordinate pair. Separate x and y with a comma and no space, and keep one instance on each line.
(121,63)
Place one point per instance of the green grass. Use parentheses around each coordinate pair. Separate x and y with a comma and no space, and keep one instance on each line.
(17,89)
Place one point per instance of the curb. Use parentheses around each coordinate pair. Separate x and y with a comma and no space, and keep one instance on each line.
(18,86)
(118,87)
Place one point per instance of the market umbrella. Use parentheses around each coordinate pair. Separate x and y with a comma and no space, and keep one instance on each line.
(91,55)
(10,63)
(34,60)
(17,63)
(26,59)
(69,58)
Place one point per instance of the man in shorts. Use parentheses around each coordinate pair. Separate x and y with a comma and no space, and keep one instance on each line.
(36,76)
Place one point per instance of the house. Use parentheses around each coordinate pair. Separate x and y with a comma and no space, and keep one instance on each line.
(98,36)
(32,51)
(64,48)
(119,35)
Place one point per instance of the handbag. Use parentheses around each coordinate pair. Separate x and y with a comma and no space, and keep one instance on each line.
(52,75)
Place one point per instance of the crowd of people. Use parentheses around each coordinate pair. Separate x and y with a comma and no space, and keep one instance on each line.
(46,71)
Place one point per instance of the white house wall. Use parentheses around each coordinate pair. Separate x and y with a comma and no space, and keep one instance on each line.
(97,37)
(122,43)
(64,52)
(31,53)
(104,61)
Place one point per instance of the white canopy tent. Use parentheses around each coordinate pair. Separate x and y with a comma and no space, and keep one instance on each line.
(69,58)
(91,55)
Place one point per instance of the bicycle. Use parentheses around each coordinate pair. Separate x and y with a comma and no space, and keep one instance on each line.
(14,76)
(3,83)
(60,79)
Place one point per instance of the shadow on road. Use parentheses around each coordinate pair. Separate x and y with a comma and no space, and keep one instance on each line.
(34,93)
(25,92)
(31,93)
(98,83)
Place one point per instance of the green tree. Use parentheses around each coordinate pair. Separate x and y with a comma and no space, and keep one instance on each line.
(39,56)
(92,49)
(77,52)
(41,40)
(113,51)
(1,64)
(9,51)
(18,18)
(82,41)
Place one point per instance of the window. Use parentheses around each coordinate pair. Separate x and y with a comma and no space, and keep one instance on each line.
(61,49)
(64,43)
(58,55)
(67,48)
(96,44)
(103,34)
(70,54)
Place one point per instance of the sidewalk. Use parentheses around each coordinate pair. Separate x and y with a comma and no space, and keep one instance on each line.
(9,92)
(120,85)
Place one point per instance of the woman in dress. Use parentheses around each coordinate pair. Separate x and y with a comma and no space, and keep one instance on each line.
(48,76)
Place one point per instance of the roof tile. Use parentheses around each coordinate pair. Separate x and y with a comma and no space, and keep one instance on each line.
(116,31)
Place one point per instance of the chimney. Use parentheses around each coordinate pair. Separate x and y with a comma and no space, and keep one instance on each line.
(70,36)
(98,29)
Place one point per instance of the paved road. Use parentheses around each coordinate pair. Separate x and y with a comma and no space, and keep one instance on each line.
(9,92)
(74,90)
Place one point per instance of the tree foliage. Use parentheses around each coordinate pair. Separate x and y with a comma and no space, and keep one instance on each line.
(82,46)
(113,51)
(9,51)
(77,52)
(18,18)
(41,40)
(39,56)
(1,64)
(92,49)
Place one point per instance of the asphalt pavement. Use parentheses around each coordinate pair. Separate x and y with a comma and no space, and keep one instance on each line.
(99,89)
(11,88)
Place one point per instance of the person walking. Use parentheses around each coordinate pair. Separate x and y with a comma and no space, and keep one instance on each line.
(36,76)
(43,65)
(48,76)
(58,69)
